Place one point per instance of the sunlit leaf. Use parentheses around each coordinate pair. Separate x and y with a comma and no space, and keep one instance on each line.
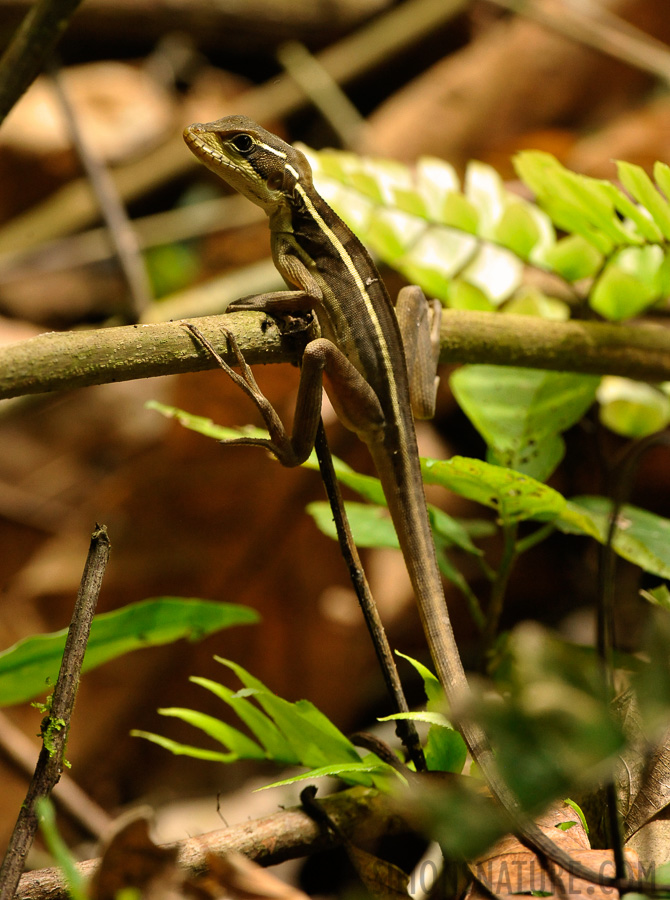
(371,526)
(659,596)
(631,408)
(495,271)
(573,257)
(630,282)
(577,203)
(462,295)
(518,229)
(360,772)
(261,726)
(521,412)
(513,495)
(640,185)
(641,537)
(236,742)
(531,302)
(30,667)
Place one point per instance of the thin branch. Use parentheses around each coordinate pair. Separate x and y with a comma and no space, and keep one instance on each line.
(405,728)
(32,44)
(600,29)
(361,813)
(56,724)
(67,360)
(324,92)
(19,749)
(121,233)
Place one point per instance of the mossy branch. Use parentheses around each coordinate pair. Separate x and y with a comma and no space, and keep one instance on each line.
(67,360)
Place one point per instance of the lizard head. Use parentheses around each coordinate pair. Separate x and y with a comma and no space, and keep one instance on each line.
(250,159)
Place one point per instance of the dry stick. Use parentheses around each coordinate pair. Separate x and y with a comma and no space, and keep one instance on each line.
(56,725)
(68,796)
(599,29)
(361,813)
(66,360)
(324,92)
(121,232)
(32,44)
(405,728)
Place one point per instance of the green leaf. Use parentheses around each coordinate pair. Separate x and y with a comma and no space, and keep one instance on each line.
(639,184)
(371,526)
(352,772)
(447,529)
(532,302)
(391,232)
(514,496)
(444,750)
(261,726)
(179,749)
(517,229)
(203,425)
(459,212)
(662,177)
(631,408)
(521,412)
(577,203)
(430,231)
(239,745)
(495,271)
(434,691)
(631,282)
(659,596)
(316,741)
(484,188)
(573,257)
(641,537)
(294,733)
(26,667)
(462,295)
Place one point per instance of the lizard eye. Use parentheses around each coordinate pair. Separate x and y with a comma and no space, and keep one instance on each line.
(243,143)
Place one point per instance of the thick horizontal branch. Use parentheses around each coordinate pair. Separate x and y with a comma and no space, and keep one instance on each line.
(66,360)
(362,814)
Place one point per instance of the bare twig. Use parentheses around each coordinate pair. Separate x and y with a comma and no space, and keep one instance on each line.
(121,233)
(361,813)
(66,360)
(56,724)
(20,750)
(324,92)
(33,43)
(598,28)
(405,728)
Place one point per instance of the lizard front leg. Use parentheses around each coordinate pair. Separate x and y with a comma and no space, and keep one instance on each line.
(354,399)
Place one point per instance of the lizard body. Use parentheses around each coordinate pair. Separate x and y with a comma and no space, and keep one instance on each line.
(361,356)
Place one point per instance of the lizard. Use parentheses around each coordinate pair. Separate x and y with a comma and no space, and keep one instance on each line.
(378,365)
